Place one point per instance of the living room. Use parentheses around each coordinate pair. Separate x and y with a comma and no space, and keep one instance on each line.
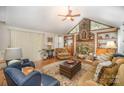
(66,46)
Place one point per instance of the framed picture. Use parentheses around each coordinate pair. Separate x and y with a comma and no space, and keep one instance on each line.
(50,39)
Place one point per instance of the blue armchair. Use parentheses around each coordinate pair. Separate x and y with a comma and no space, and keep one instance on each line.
(15,77)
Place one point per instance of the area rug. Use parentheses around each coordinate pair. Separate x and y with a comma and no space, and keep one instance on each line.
(53,70)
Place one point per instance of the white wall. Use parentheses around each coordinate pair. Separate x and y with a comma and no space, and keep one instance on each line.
(31,41)
(3,13)
(55,39)
(4,36)
(60,41)
(121,40)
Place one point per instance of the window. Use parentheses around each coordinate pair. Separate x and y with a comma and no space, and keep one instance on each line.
(95,26)
(74,30)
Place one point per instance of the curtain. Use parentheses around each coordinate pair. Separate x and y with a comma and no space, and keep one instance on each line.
(30,43)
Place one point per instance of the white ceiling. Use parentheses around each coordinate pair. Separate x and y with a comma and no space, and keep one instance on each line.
(44,18)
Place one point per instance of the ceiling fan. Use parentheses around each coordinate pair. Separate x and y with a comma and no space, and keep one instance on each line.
(69,15)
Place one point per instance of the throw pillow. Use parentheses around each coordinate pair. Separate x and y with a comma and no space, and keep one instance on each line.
(120,76)
(99,69)
(105,57)
(13,61)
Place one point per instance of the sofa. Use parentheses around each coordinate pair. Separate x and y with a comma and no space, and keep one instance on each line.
(15,77)
(100,51)
(62,53)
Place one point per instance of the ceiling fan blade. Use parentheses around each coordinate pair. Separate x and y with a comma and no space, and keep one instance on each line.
(62,15)
(75,15)
(64,19)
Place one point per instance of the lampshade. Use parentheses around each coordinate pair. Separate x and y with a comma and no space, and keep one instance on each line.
(111,44)
(49,43)
(13,53)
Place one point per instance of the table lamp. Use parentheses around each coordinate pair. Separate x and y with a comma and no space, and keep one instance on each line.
(49,45)
(111,45)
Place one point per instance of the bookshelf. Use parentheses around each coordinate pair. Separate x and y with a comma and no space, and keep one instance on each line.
(104,37)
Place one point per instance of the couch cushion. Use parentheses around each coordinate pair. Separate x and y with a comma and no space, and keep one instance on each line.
(100,51)
(120,76)
(61,54)
(120,60)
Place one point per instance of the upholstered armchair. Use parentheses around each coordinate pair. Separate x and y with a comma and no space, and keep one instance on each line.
(109,75)
(62,53)
(15,77)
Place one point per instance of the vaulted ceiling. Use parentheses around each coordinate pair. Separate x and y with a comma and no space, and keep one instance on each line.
(45,18)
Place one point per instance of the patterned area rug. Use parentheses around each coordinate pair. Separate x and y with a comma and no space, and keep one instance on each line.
(53,70)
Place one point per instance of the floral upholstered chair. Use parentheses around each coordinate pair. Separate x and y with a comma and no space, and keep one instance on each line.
(109,75)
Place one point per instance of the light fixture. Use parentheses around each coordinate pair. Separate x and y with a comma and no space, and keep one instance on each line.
(49,44)
(69,18)
(69,15)
(111,47)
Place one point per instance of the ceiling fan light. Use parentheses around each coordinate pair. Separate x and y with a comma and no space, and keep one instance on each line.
(69,18)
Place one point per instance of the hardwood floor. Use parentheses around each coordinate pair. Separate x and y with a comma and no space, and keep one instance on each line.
(45,62)
(2,78)
(39,65)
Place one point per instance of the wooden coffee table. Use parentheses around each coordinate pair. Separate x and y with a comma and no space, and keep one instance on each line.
(70,69)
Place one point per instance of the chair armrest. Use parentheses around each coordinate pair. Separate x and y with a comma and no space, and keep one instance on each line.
(33,79)
(14,75)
